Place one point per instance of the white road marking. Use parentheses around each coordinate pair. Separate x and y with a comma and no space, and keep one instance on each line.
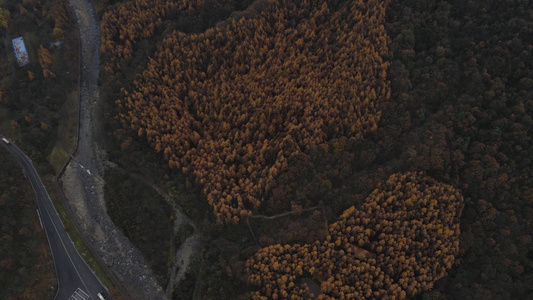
(79,294)
(60,238)
(40,221)
(35,182)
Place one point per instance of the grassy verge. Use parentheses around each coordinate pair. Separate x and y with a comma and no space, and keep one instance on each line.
(57,157)
(66,132)
(79,242)
(82,248)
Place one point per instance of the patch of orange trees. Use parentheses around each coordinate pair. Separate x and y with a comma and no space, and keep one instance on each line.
(45,60)
(131,21)
(402,239)
(231,106)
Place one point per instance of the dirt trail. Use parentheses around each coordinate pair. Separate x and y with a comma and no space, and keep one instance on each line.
(82,179)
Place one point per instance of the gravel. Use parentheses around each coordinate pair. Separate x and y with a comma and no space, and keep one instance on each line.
(82,179)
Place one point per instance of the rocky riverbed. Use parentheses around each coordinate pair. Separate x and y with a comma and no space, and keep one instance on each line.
(83,181)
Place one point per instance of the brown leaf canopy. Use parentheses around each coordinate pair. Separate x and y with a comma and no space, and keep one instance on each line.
(401,240)
(230,106)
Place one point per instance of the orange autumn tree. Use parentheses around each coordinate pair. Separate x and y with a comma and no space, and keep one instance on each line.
(231,106)
(125,24)
(402,239)
(45,60)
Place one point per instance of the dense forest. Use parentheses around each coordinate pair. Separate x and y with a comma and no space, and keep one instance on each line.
(26,270)
(33,97)
(234,125)
(396,244)
(32,114)
(339,105)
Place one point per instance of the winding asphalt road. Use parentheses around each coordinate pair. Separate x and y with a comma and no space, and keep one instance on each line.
(76,280)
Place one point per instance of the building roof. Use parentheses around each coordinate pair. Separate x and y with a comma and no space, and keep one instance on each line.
(20,51)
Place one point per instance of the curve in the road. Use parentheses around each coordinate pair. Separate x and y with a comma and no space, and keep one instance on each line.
(75,279)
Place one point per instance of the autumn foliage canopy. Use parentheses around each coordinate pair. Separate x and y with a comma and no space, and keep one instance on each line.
(230,106)
(402,239)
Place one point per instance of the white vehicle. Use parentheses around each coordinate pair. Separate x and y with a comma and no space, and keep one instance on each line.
(100,296)
(5,140)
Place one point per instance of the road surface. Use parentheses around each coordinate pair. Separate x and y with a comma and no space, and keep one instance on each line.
(75,279)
